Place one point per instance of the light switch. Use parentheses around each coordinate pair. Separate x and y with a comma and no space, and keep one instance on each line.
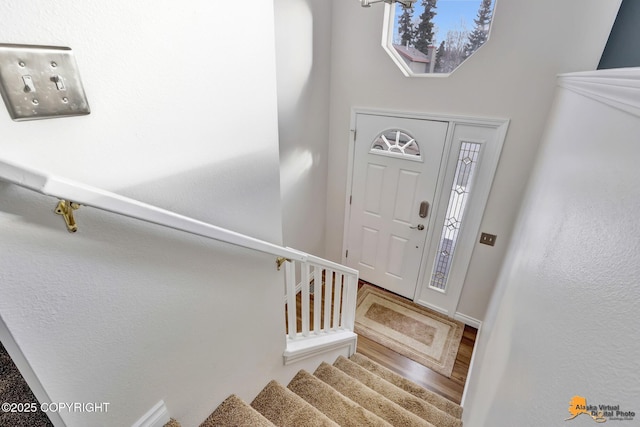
(41,82)
(59,82)
(28,84)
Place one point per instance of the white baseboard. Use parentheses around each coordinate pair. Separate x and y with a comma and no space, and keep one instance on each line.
(304,348)
(23,365)
(471,365)
(468,320)
(157,416)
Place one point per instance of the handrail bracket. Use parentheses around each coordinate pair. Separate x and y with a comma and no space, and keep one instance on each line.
(281,260)
(66,208)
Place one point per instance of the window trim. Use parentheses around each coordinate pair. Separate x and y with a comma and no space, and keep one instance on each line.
(387,42)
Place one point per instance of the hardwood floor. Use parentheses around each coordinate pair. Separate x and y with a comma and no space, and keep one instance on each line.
(451,388)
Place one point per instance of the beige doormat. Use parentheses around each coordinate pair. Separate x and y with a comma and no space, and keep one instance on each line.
(416,332)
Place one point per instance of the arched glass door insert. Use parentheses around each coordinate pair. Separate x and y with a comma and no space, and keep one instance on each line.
(396,142)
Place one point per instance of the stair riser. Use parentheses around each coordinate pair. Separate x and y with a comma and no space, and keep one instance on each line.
(358,393)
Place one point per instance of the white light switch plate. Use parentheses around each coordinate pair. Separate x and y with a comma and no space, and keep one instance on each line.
(41,82)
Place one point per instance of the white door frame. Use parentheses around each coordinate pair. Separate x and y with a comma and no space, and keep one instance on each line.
(467,238)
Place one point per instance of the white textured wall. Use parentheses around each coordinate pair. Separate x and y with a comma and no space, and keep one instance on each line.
(563,321)
(303,50)
(174,98)
(511,76)
(129,313)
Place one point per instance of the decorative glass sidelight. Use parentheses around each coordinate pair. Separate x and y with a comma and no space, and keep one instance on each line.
(460,193)
(396,142)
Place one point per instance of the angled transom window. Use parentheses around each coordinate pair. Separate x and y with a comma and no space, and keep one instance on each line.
(396,143)
(435,36)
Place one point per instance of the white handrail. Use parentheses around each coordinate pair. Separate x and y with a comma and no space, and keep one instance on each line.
(339,282)
(331,264)
(82,194)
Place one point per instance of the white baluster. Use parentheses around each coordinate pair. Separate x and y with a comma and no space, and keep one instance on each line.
(328,293)
(337,300)
(290,280)
(305,298)
(349,304)
(317,298)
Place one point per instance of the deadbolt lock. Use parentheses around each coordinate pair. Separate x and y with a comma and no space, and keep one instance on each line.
(424,209)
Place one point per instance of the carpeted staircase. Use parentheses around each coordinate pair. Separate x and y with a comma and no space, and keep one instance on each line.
(352,392)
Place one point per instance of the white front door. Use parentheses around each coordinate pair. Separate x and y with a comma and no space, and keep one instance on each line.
(395,175)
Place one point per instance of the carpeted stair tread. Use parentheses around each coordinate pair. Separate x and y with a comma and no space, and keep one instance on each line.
(284,408)
(172,423)
(332,403)
(436,400)
(369,399)
(235,412)
(408,401)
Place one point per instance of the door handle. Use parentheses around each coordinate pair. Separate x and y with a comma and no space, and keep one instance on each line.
(419,227)
(424,209)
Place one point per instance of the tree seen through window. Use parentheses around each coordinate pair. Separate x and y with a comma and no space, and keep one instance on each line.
(436,36)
